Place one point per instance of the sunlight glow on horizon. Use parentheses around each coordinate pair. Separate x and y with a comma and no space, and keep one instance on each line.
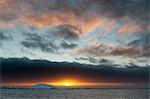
(69,83)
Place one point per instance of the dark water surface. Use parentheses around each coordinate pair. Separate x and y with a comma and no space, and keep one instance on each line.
(74,94)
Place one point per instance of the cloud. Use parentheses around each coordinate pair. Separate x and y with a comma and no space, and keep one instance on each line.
(108,8)
(66,45)
(131,28)
(86,24)
(66,32)
(98,50)
(86,14)
(73,19)
(37,41)
(58,37)
(4,37)
(21,70)
(8,13)
(119,9)
(61,37)
(137,48)
(143,43)
(126,51)
(95,60)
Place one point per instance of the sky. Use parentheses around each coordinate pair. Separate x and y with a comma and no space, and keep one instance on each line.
(54,29)
(91,32)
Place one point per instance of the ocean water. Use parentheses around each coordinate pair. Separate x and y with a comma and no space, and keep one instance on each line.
(74,94)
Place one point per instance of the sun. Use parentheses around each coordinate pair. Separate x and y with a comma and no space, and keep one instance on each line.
(67,83)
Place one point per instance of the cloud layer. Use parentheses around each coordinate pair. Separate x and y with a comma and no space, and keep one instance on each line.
(84,13)
(91,28)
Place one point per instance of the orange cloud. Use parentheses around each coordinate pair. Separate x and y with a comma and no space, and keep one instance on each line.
(24,13)
(48,19)
(41,13)
(96,50)
(91,23)
(6,3)
(127,51)
(130,28)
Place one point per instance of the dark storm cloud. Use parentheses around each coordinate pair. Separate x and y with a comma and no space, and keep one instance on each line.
(34,40)
(26,70)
